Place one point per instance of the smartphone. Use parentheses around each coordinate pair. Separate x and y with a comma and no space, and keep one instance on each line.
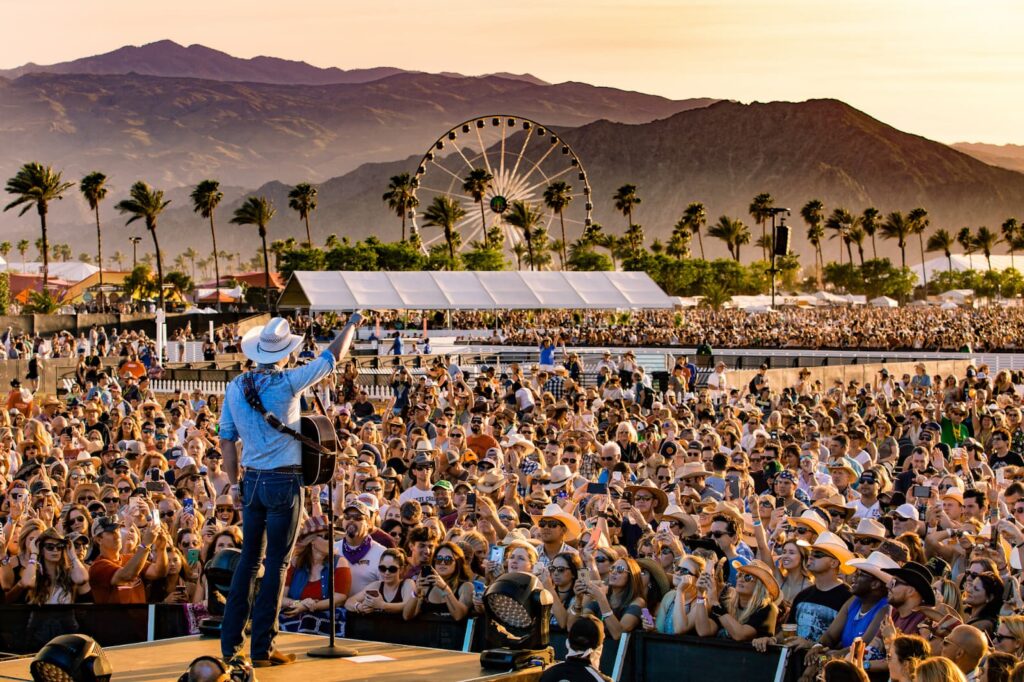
(154,475)
(1000,476)
(192,557)
(427,570)
(597,488)
(664,526)
(373,593)
(478,588)
(471,500)
(734,487)
(779,502)
(922,491)
(617,476)
(154,487)
(496,554)
(585,575)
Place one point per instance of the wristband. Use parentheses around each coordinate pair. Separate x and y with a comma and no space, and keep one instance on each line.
(607,614)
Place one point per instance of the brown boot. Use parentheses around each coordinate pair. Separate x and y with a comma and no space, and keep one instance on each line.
(274,658)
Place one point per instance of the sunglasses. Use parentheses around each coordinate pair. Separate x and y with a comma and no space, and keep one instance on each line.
(867,542)
(446,560)
(81,542)
(373,489)
(224,508)
(110,500)
(87,498)
(387,569)
(506,517)
(619,569)
(550,524)
(601,559)
(353,517)
(803,530)
(53,546)
(167,514)
(664,478)
(558,569)
(682,570)
(569,460)
(716,534)
(535,505)
(746,578)
(644,498)
(122,489)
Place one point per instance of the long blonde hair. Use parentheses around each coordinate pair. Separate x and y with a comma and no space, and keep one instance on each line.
(938,669)
(1015,626)
(758,600)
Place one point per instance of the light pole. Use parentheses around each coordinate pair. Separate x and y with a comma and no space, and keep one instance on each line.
(782,223)
(135,250)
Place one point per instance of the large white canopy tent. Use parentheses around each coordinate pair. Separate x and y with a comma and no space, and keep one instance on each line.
(341,291)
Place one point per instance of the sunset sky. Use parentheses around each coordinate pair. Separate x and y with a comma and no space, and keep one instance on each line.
(950,70)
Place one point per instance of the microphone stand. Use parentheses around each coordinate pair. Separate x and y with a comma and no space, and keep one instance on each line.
(332,650)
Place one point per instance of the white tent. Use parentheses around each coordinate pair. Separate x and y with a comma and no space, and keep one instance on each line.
(884,302)
(70,271)
(961,263)
(322,291)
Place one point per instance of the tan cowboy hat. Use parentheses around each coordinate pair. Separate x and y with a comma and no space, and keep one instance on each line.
(876,565)
(762,572)
(836,502)
(660,497)
(490,481)
(518,535)
(692,470)
(675,513)
(572,525)
(869,528)
(833,545)
(271,342)
(517,439)
(811,519)
(560,476)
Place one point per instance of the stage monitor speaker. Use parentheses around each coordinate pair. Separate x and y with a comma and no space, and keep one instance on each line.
(781,240)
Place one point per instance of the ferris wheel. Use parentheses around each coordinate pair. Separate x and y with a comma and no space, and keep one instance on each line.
(522,158)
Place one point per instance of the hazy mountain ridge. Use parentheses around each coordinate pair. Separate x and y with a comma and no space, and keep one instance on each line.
(1009,156)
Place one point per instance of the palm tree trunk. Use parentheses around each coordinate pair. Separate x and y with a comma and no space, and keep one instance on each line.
(309,237)
(561,218)
(764,234)
(988,258)
(46,249)
(874,248)
(159,266)
(700,240)
(840,248)
(860,252)
(266,270)
(99,253)
(483,218)
(216,262)
(403,225)
(737,253)
(949,262)
(903,254)
(924,270)
(529,247)
(849,251)
(451,248)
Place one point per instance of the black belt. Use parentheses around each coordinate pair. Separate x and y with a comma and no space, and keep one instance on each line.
(293,469)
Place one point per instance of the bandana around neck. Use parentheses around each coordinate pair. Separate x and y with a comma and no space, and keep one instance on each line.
(354,554)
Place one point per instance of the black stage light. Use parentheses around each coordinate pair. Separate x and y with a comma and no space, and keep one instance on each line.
(518,616)
(219,572)
(71,658)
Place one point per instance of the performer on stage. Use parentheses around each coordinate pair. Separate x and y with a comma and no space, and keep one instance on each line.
(271,488)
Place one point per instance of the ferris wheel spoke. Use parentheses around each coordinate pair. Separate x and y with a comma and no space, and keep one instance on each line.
(468,164)
(446,170)
(547,180)
(483,152)
(504,129)
(522,152)
(536,164)
(448,194)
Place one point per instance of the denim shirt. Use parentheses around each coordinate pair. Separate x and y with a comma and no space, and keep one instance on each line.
(263,447)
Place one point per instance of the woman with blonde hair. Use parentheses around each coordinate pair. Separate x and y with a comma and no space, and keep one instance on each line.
(751,614)
(1009,635)
(673,614)
(938,669)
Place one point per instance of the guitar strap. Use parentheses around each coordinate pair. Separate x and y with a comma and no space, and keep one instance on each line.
(252,396)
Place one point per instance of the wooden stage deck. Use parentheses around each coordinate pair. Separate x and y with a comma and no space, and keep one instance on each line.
(166,660)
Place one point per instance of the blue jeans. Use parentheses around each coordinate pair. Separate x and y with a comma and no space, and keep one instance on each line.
(271,505)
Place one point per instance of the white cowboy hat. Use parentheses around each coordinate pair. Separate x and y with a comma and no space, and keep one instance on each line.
(876,565)
(572,525)
(271,342)
(812,520)
(518,439)
(560,475)
(833,545)
(869,528)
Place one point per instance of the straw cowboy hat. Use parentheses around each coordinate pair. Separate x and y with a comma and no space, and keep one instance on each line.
(518,439)
(837,502)
(490,482)
(271,342)
(660,497)
(691,470)
(572,525)
(869,528)
(560,476)
(675,513)
(833,545)
(762,572)
(877,564)
(811,519)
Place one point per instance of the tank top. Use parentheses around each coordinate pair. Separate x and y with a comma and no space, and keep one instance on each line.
(857,623)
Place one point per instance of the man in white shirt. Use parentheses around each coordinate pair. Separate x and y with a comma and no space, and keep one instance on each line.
(360,550)
(422,490)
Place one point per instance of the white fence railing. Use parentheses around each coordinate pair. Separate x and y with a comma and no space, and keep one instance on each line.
(174,385)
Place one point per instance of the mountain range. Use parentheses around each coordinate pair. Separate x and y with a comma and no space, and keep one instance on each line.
(1005,155)
(350,137)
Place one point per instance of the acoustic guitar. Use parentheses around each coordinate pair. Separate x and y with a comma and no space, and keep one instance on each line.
(319,449)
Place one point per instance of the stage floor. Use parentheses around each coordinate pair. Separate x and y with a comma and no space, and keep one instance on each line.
(166,660)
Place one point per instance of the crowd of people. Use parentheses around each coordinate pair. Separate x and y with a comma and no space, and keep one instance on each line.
(877,529)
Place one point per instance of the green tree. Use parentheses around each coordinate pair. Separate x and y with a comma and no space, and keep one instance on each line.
(5,292)
(626,199)
(870,220)
(398,256)
(1011,235)
(302,199)
(965,238)
(180,282)
(519,251)
(191,254)
(694,218)
(585,259)
(483,258)
(635,239)
(942,241)
(557,197)
(445,213)
(258,211)
(146,204)
(5,249)
(476,185)
(897,227)
(528,219)
(401,197)
(94,189)
(679,242)
(919,222)
(857,235)
(118,258)
(733,232)
(813,213)
(539,253)
(140,283)
(761,211)
(37,185)
(985,240)
(23,245)
(205,198)
(558,248)
(840,222)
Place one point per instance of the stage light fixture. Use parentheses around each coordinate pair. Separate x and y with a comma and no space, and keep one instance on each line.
(218,573)
(518,616)
(71,658)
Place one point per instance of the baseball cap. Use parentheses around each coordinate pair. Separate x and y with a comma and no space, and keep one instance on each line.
(105,524)
(121,462)
(786,475)
(444,484)
(359,507)
(868,477)
(906,511)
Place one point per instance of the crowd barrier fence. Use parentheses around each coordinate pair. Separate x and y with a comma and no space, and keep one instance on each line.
(639,656)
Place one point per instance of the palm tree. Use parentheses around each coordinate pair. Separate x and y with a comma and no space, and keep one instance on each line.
(191,254)
(37,185)
(679,242)
(558,248)
(813,213)
(23,245)
(840,223)
(695,217)
(857,235)
(760,211)
(401,196)
(966,241)
(445,212)
(898,227)
(557,197)
(626,199)
(205,198)
(635,239)
(733,232)
(870,220)
(476,185)
(1011,235)
(919,222)
(519,251)
(5,248)
(118,258)
(258,211)
(985,240)
(302,199)
(527,218)
(181,263)
(942,241)
(146,203)
(93,188)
